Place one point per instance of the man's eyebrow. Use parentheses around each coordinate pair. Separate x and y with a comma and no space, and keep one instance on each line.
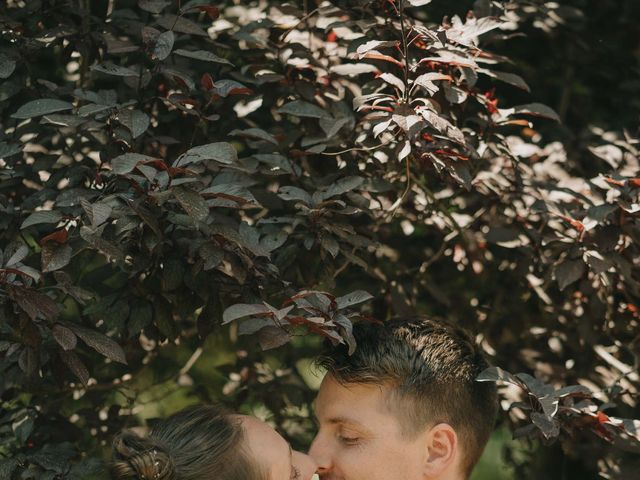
(345,421)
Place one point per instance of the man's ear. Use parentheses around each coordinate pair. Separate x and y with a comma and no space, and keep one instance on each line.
(442,451)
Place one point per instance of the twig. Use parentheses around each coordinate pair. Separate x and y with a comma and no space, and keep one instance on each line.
(355,149)
(405,50)
(303,19)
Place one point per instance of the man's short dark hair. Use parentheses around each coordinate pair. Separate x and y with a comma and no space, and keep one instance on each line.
(431,367)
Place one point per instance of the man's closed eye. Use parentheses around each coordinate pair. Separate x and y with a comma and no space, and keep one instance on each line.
(349,440)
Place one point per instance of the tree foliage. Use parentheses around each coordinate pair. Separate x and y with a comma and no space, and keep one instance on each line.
(183,181)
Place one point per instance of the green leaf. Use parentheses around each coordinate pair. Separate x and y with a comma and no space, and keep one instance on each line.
(249,326)
(221,152)
(549,427)
(181,24)
(535,109)
(54,256)
(278,164)
(153,6)
(272,337)
(23,427)
(140,316)
(8,466)
(295,194)
(172,274)
(211,254)
(510,78)
(44,216)
(192,203)
(229,194)
(8,149)
(354,298)
(7,66)
(20,254)
(202,55)
(98,212)
(8,89)
(331,245)
(225,87)
(125,163)
(92,109)
(163,45)
(65,337)
(241,310)
(257,133)
(101,343)
(73,362)
(112,69)
(495,374)
(136,121)
(300,108)
(163,318)
(43,106)
(271,241)
(343,185)
(569,272)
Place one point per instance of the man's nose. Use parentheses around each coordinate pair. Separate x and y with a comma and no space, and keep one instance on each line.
(320,454)
(307,465)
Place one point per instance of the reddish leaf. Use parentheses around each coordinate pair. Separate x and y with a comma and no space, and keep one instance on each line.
(59,236)
(33,302)
(212,11)
(614,182)
(381,56)
(206,81)
(157,164)
(577,225)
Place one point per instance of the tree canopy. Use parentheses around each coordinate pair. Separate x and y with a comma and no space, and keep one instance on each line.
(194,196)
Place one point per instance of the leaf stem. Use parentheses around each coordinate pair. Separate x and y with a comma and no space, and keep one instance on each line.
(405,52)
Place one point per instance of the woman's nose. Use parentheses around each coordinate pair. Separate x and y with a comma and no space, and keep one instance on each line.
(306,465)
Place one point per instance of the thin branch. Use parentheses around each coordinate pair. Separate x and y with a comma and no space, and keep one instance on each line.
(405,51)
(355,149)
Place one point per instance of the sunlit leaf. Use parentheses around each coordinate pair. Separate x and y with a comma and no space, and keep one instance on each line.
(203,55)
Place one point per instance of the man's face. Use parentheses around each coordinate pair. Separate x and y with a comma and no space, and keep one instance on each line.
(360,438)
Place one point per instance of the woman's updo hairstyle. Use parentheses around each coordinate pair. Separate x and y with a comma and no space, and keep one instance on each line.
(140,458)
(197,443)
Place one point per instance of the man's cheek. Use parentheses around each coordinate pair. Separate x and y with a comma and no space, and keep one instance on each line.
(355,465)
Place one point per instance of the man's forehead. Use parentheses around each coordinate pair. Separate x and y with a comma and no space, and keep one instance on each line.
(348,402)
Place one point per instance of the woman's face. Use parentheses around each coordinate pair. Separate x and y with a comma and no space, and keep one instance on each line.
(274,453)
